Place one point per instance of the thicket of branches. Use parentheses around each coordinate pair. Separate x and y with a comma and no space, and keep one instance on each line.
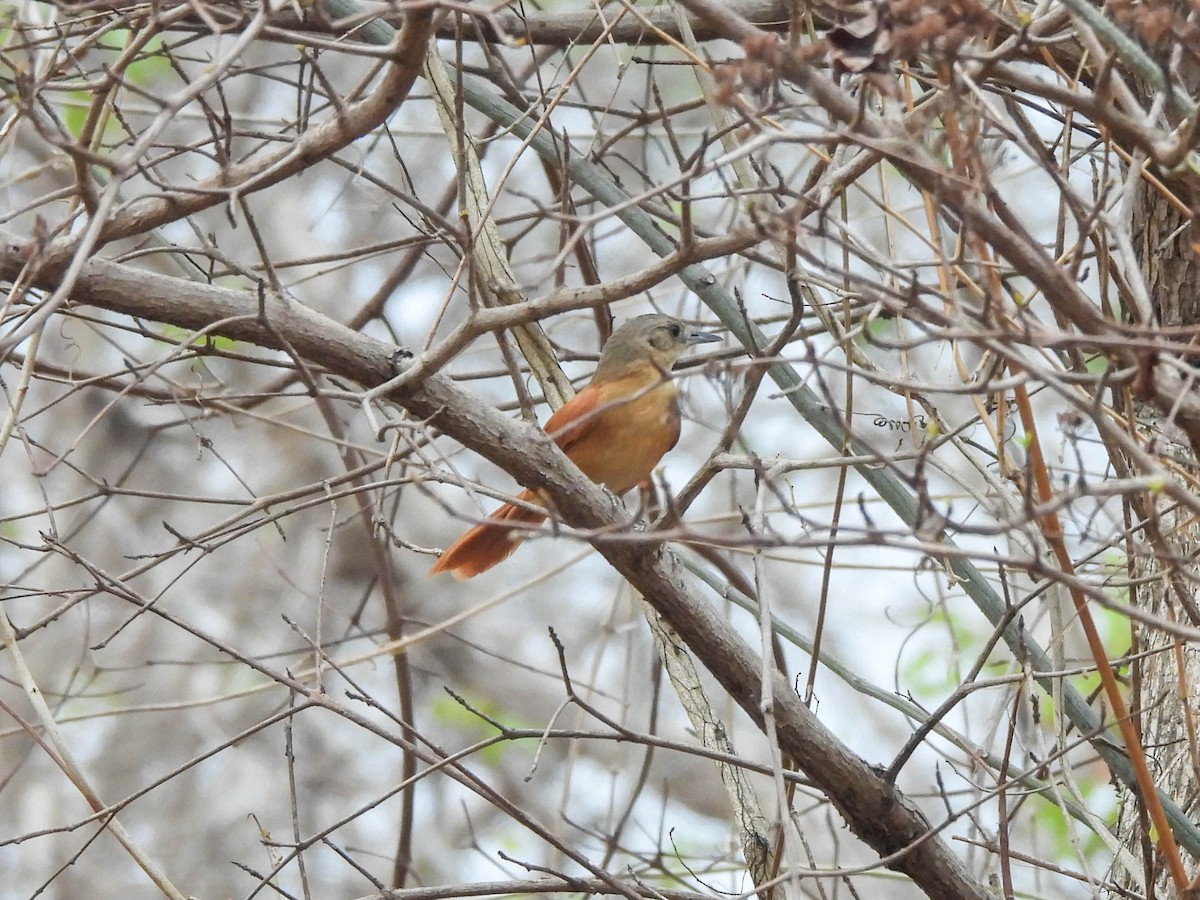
(907,612)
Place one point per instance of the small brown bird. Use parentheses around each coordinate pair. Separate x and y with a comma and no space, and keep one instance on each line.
(616,430)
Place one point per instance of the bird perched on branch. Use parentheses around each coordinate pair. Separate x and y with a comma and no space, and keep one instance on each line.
(616,430)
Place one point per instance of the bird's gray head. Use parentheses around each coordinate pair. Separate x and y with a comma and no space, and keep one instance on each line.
(653,338)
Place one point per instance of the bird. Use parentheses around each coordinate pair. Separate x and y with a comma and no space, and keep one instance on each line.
(615,430)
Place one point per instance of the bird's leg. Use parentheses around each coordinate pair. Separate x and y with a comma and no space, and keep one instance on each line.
(649,508)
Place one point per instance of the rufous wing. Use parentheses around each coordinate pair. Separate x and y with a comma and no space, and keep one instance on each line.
(490,542)
(576,420)
(617,431)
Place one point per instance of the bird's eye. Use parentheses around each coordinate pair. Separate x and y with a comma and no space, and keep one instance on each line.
(675,330)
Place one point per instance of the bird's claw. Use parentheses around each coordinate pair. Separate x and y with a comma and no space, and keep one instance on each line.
(399,359)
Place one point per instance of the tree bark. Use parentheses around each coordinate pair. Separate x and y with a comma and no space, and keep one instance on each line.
(1165,671)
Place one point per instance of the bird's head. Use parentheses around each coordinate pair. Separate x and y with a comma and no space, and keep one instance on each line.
(653,338)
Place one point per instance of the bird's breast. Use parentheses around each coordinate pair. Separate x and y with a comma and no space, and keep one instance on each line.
(635,425)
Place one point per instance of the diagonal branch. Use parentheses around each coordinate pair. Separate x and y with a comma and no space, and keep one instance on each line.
(874,809)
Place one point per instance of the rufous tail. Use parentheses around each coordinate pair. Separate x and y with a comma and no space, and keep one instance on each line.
(488,543)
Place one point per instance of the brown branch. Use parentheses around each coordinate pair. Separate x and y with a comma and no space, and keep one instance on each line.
(343,127)
(543,28)
(878,813)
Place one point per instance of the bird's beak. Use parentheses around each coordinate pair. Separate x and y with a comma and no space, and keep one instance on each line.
(703,337)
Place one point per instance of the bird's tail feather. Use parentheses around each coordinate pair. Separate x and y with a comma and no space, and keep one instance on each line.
(488,543)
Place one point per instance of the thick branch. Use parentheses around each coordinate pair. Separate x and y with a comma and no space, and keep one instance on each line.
(879,814)
(539,28)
